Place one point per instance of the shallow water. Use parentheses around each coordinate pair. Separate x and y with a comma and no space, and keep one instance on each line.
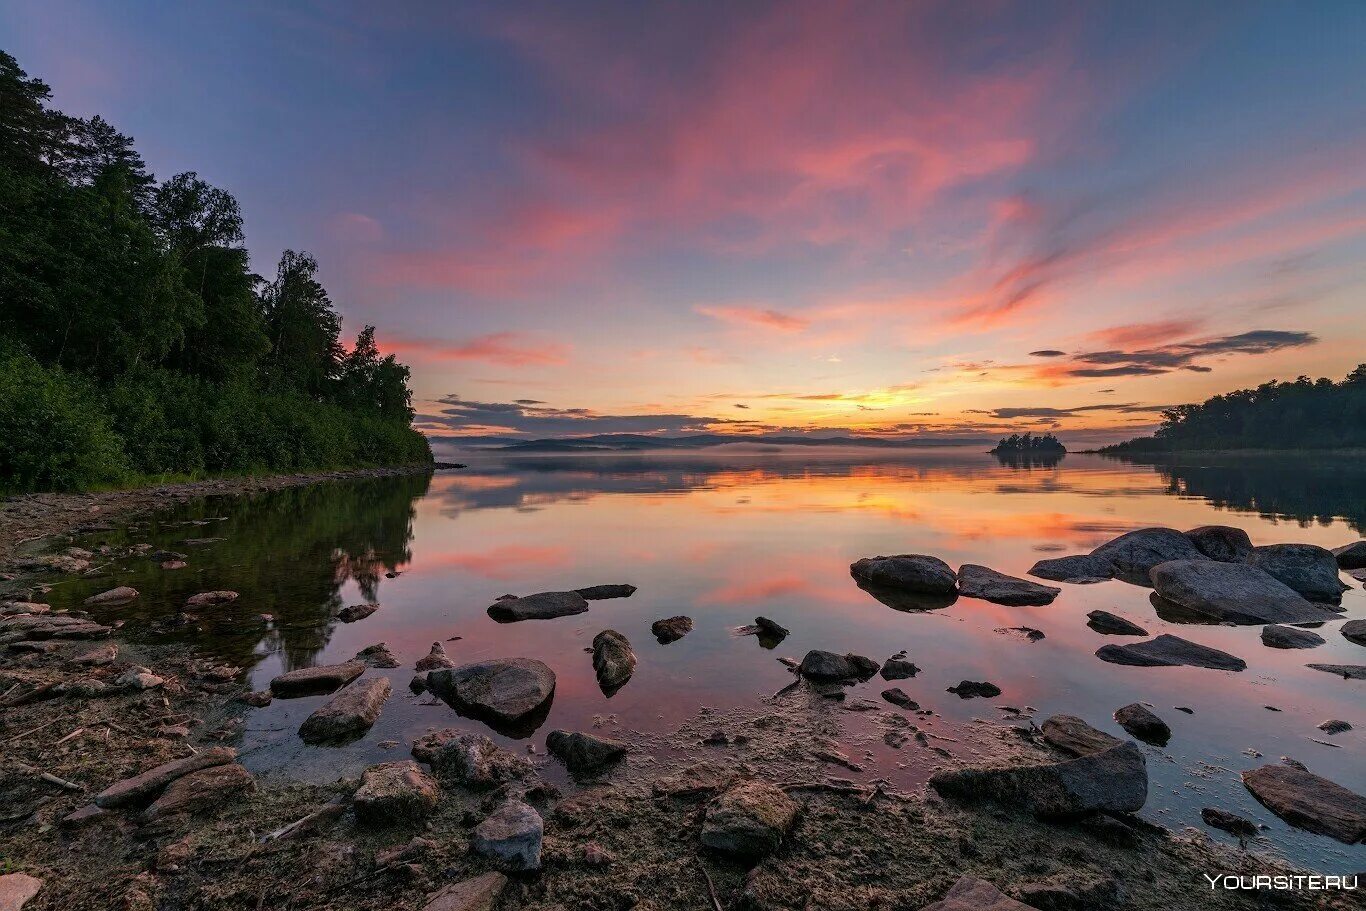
(725,536)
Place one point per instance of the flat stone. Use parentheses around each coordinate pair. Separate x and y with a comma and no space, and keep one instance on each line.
(479,893)
(1142,723)
(1233,592)
(100,655)
(972,689)
(121,595)
(1113,625)
(55,626)
(540,606)
(1075,737)
(86,814)
(1277,636)
(435,659)
(202,791)
(583,754)
(973,894)
(1078,569)
(694,781)
(350,712)
(1351,556)
(470,759)
(613,660)
(898,669)
(1335,726)
(1133,554)
(377,655)
(139,678)
(146,785)
(1345,671)
(671,629)
(353,612)
(1307,568)
(603,592)
(314,681)
(1231,823)
(906,572)
(1170,651)
(749,819)
(208,599)
(16,889)
(822,665)
(395,792)
(1354,631)
(976,581)
(897,696)
(502,691)
(1310,802)
(1112,781)
(1221,542)
(512,836)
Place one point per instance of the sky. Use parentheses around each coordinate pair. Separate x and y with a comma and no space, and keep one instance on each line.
(943,219)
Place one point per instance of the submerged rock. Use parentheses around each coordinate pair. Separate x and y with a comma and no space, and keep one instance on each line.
(348,714)
(973,894)
(749,819)
(583,754)
(1140,721)
(1351,556)
(353,612)
(144,786)
(1233,592)
(1079,569)
(436,658)
(976,581)
(1112,781)
(1074,736)
(1307,568)
(1133,554)
(671,629)
(1334,726)
(1170,651)
(1113,624)
(898,669)
(1221,542)
(1277,636)
(121,595)
(769,632)
(1310,802)
(613,660)
(313,681)
(1345,671)
(208,599)
(1231,823)
(603,592)
(479,893)
(513,693)
(378,655)
(906,572)
(971,689)
(394,792)
(206,789)
(540,606)
(470,759)
(897,696)
(822,665)
(512,836)
(1354,631)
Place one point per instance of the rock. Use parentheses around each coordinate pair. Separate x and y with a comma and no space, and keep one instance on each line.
(1221,542)
(1028,633)
(583,754)
(1354,631)
(976,581)
(416,848)
(973,894)
(969,689)
(257,699)
(146,785)
(1351,556)
(207,599)
(512,692)
(42,648)
(1170,651)
(595,855)
(1231,823)
(121,595)
(1070,891)
(695,781)
(821,665)
(671,629)
(896,696)
(377,655)
(1309,802)
(898,669)
(88,813)
(1133,554)
(602,592)
(58,626)
(1075,737)
(770,633)
(1345,671)
(906,572)
(16,889)
(1307,568)
(1233,592)
(1113,624)
(353,612)
(348,714)
(477,894)
(613,660)
(1276,636)
(139,678)
(206,789)
(1334,726)
(314,681)
(394,792)
(470,759)
(1112,781)
(540,606)
(1079,569)
(748,819)
(1140,721)
(436,658)
(512,836)
(419,682)
(101,655)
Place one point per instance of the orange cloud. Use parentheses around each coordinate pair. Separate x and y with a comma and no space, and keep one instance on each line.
(506,562)
(755,316)
(507,349)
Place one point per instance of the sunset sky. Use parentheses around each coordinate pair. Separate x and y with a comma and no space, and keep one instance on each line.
(956,218)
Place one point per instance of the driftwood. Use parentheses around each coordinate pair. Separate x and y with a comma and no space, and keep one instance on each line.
(711,889)
(49,777)
(324,814)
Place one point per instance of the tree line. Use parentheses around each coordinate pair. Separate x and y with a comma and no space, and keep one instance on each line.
(135,339)
(1298,415)
(1029,444)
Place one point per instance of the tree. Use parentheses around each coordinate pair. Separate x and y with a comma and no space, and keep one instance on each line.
(303,328)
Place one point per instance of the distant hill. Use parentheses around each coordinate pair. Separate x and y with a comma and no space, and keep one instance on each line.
(632,442)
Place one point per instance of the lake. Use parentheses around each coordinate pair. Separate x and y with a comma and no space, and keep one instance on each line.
(724,536)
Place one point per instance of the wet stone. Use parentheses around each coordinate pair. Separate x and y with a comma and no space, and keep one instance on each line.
(1074,736)
(976,581)
(1276,636)
(350,712)
(671,629)
(584,754)
(313,681)
(1113,624)
(1140,721)
(512,836)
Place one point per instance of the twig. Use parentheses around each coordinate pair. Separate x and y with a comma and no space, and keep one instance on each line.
(711,888)
(75,733)
(324,814)
(791,686)
(50,778)
(40,727)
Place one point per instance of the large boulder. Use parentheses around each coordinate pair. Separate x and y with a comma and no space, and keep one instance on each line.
(1310,802)
(510,694)
(1351,556)
(976,581)
(1141,722)
(313,681)
(201,791)
(1112,781)
(540,606)
(512,836)
(1170,651)
(1075,737)
(1307,568)
(749,819)
(583,754)
(1233,592)
(348,714)
(1354,631)
(613,660)
(973,894)
(395,792)
(906,572)
(1134,553)
(822,665)
(141,788)
(1078,569)
(1276,636)
(1221,542)
(1113,625)
(479,893)
(470,759)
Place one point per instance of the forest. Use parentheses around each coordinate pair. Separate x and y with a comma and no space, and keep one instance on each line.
(1301,415)
(1028,444)
(136,342)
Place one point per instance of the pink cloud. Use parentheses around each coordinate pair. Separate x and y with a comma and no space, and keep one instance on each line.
(755,316)
(507,349)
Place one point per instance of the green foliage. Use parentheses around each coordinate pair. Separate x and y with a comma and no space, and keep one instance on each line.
(1028,443)
(129,307)
(1305,414)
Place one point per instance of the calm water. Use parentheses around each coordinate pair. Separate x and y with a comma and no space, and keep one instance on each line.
(725,536)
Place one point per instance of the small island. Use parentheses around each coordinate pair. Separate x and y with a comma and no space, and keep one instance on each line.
(1027,444)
